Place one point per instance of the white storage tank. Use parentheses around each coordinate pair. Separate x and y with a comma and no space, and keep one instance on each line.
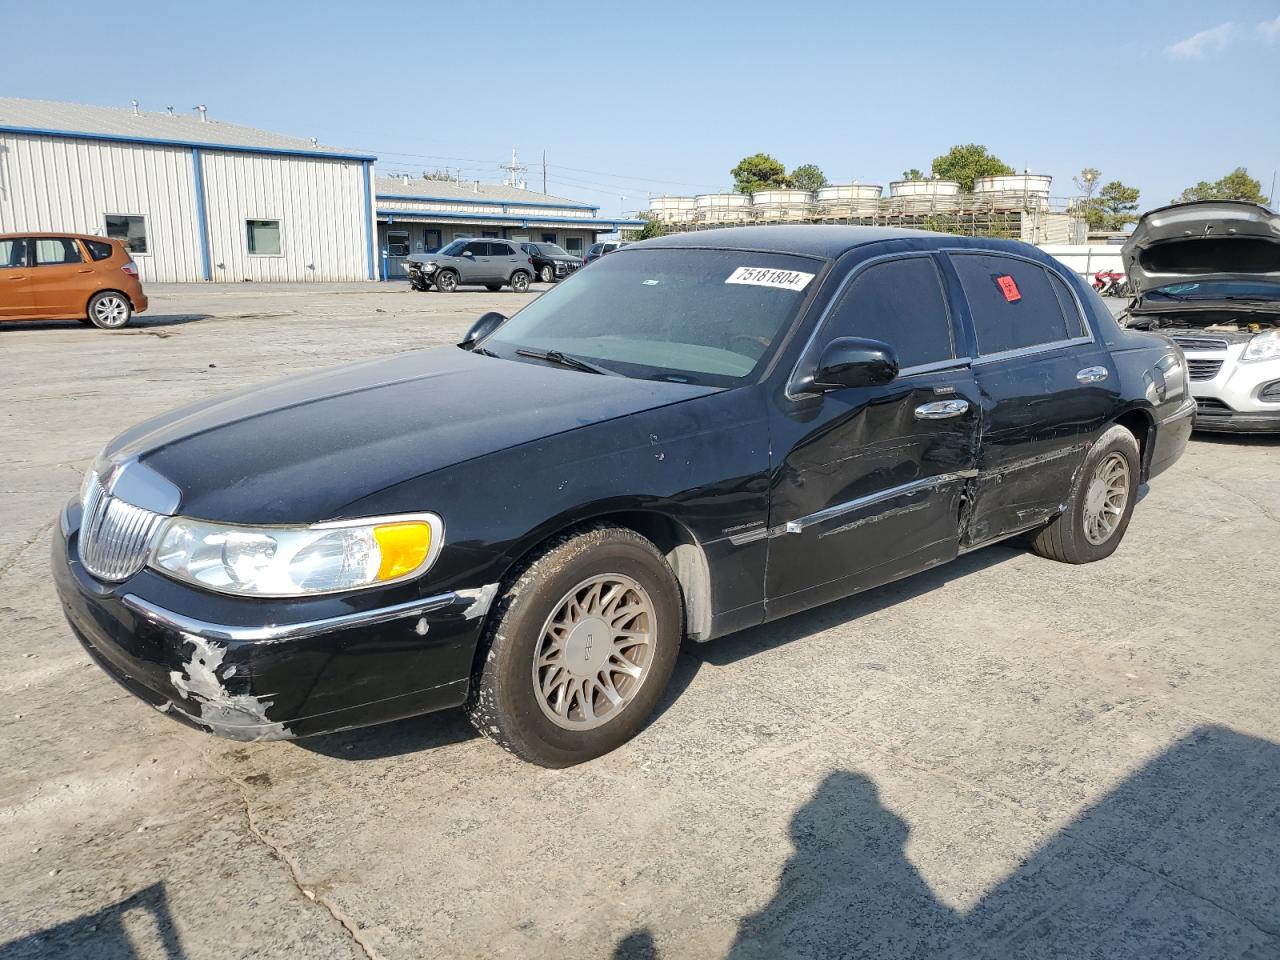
(916,196)
(672,209)
(849,199)
(722,208)
(781,204)
(1015,191)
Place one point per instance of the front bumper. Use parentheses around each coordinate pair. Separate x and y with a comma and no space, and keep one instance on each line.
(264,670)
(1228,396)
(1214,416)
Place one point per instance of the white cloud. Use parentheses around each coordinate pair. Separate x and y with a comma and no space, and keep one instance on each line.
(1213,40)
(1270,30)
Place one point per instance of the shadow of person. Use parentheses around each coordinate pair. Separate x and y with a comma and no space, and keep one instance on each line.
(848,890)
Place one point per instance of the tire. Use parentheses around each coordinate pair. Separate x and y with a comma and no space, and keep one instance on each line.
(1112,469)
(547,275)
(524,651)
(446,281)
(109,310)
(520,281)
(493,287)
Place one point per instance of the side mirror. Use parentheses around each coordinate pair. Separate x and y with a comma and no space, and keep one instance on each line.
(488,323)
(854,362)
(468,253)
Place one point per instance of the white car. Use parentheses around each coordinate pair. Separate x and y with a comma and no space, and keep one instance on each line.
(1207,275)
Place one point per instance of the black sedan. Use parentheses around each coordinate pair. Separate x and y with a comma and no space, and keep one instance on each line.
(701,433)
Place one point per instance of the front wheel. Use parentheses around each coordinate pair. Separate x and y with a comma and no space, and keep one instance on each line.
(520,282)
(578,650)
(109,310)
(1100,505)
(446,281)
(547,275)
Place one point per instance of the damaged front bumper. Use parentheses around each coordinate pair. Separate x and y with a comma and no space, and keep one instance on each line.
(271,670)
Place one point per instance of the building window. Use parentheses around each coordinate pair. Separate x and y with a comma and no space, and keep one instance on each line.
(548,238)
(130,228)
(489,233)
(398,243)
(264,237)
(573,245)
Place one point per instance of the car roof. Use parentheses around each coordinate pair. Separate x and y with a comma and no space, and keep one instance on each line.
(815,240)
(54,233)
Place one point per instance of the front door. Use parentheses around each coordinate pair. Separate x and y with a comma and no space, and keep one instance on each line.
(60,280)
(16,298)
(869,481)
(1047,389)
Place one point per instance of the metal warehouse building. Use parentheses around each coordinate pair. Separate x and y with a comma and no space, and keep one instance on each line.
(419,216)
(198,199)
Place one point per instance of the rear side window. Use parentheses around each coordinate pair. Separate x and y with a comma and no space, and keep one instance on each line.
(55,250)
(1075,321)
(13,253)
(899,302)
(99,250)
(1013,304)
(500,250)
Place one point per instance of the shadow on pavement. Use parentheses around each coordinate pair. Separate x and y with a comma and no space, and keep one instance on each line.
(139,323)
(138,926)
(1182,860)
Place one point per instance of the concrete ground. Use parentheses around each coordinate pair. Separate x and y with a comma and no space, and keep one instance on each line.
(1003,757)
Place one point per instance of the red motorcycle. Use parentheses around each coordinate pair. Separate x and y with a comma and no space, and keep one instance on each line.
(1111,283)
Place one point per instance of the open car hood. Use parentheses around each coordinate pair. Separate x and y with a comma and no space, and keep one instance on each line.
(1204,240)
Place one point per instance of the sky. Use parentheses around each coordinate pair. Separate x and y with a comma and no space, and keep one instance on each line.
(629,100)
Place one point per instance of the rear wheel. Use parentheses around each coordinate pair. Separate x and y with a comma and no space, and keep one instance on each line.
(109,310)
(1100,505)
(546,274)
(520,282)
(579,649)
(446,281)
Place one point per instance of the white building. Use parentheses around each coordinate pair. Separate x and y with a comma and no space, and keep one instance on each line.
(196,199)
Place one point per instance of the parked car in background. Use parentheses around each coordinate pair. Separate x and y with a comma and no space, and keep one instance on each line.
(1207,274)
(598,250)
(550,263)
(489,263)
(705,433)
(68,276)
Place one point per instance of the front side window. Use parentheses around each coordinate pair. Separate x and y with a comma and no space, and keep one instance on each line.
(129,228)
(51,251)
(264,237)
(13,253)
(699,316)
(397,243)
(1012,302)
(901,303)
(454,249)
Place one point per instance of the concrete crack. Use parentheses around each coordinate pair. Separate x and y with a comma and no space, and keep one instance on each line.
(290,863)
(12,559)
(1262,508)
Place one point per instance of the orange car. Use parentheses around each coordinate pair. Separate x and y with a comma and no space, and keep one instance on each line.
(68,276)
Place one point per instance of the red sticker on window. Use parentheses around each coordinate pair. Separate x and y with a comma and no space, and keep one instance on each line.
(1008,288)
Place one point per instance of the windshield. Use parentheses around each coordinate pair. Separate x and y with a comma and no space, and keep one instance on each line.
(696,316)
(454,248)
(549,250)
(1217,290)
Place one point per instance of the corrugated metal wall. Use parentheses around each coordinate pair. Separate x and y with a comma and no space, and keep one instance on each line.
(55,183)
(319,203)
(51,183)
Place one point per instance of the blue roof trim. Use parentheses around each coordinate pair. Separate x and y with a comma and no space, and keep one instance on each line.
(159,142)
(436,215)
(490,203)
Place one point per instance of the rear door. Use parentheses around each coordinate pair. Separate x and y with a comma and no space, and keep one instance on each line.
(870,479)
(1047,388)
(475,268)
(16,297)
(506,257)
(61,280)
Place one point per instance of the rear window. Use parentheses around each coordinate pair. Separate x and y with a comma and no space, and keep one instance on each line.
(1012,302)
(99,250)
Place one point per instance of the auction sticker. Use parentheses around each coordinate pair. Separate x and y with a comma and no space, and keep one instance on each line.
(770,277)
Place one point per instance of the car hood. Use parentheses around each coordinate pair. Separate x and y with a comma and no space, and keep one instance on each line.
(1206,240)
(302,448)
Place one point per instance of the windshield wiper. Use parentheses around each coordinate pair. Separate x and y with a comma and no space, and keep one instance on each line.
(567,360)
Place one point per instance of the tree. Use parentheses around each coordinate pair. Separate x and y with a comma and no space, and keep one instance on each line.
(1236,185)
(966,162)
(808,177)
(915,173)
(1115,206)
(1087,183)
(759,172)
(653,227)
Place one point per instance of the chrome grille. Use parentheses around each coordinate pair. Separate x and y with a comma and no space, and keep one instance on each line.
(1199,368)
(1200,343)
(114,536)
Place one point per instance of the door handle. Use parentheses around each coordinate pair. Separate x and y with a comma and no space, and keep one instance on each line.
(21,276)
(1093,374)
(941,409)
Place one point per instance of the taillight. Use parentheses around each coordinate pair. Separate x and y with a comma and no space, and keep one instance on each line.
(130,268)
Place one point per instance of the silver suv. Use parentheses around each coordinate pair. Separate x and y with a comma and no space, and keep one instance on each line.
(489,263)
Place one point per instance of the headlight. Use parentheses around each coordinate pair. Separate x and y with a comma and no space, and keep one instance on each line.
(1264,346)
(428,267)
(298,561)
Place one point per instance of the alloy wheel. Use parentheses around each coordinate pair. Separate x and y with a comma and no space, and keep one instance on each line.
(110,311)
(1105,498)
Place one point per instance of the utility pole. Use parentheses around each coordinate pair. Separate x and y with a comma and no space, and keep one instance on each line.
(544,171)
(514,168)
